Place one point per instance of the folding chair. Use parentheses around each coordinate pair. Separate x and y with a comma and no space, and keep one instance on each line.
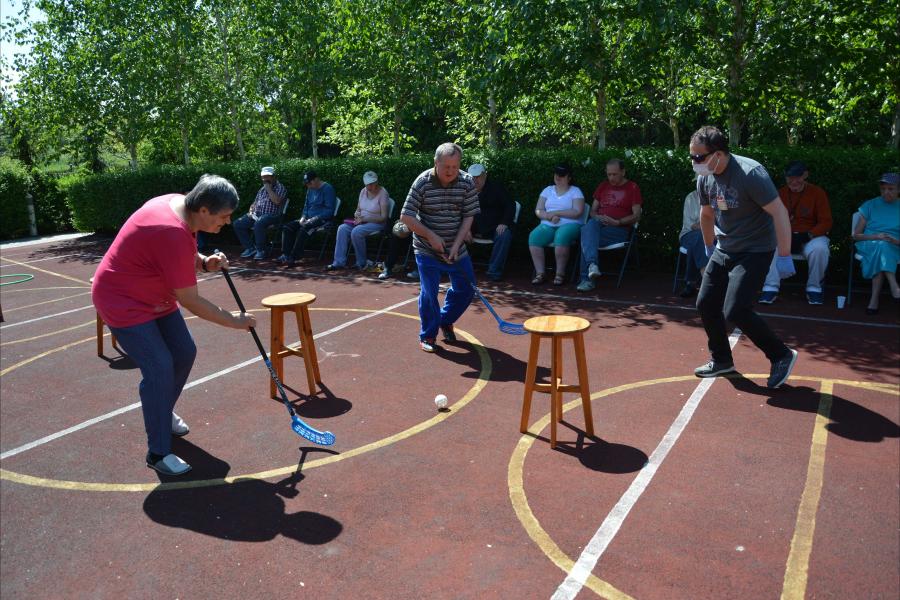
(628,245)
(682,251)
(273,231)
(854,255)
(328,229)
(382,234)
(479,241)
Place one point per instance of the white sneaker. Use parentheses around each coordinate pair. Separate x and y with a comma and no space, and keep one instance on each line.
(594,271)
(169,465)
(179,427)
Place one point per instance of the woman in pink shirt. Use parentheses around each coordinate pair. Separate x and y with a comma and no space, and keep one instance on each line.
(149,270)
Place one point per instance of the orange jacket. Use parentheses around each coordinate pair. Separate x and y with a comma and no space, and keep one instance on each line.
(808,210)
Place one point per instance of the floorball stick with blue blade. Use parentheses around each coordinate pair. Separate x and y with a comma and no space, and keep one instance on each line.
(505,326)
(300,427)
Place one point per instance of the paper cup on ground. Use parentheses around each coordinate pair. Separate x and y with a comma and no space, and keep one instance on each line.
(841,300)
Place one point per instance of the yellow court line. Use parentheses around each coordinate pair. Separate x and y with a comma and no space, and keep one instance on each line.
(27,266)
(797,570)
(515,477)
(482,380)
(43,335)
(48,302)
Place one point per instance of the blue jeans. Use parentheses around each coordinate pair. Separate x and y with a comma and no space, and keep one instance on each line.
(355,234)
(243,226)
(595,234)
(164,351)
(499,252)
(457,299)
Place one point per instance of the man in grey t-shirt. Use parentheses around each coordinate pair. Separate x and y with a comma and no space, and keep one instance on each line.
(740,209)
(439,210)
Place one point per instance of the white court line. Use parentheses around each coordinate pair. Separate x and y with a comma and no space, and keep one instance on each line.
(37,260)
(124,409)
(582,569)
(42,240)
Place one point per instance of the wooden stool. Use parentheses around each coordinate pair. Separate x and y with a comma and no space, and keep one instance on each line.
(100,324)
(298,303)
(557,328)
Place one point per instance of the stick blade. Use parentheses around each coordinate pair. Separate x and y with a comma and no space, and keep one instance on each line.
(512,328)
(323,438)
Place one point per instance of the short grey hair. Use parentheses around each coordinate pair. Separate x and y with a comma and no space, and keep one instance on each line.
(446,150)
(616,161)
(213,192)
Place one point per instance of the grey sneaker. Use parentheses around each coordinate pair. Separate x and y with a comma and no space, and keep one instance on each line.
(586,286)
(714,369)
(781,369)
(594,271)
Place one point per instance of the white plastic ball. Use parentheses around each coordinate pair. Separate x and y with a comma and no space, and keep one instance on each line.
(440,401)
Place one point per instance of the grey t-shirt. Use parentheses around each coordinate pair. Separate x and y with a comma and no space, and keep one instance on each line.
(738,196)
(441,209)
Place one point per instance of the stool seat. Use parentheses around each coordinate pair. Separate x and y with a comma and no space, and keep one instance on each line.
(556,325)
(297,303)
(288,299)
(557,328)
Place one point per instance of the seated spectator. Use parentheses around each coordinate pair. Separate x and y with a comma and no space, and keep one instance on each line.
(878,239)
(264,212)
(616,207)
(370,217)
(318,211)
(397,245)
(810,215)
(691,238)
(559,208)
(495,221)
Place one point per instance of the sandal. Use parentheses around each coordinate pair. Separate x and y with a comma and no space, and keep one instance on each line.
(538,279)
(559,279)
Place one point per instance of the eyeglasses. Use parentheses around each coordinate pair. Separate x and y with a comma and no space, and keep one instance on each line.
(699,158)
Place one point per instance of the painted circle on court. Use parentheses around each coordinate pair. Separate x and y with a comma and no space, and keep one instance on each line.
(480,382)
(516,468)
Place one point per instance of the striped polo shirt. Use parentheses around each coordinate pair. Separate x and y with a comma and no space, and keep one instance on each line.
(441,209)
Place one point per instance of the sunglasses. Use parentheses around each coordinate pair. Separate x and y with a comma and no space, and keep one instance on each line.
(699,158)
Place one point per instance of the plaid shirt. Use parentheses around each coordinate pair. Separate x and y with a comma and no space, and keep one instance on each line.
(263,205)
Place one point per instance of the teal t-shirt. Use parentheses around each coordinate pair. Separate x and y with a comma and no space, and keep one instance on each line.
(881,217)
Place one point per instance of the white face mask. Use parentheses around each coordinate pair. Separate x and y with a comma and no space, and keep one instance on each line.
(703,169)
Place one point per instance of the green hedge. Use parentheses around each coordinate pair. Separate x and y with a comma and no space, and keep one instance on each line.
(15,183)
(103,202)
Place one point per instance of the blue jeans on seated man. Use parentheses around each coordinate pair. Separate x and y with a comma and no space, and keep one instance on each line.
(457,299)
(594,235)
(356,235)
(696,256)
(259,226)
(294,236)
(499,252)
(164,351)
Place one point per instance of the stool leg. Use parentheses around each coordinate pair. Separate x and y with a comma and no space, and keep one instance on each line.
(276,345)
(530,371)
(557,342)
(99,335)
(555,400)
(308,348)
(581,361)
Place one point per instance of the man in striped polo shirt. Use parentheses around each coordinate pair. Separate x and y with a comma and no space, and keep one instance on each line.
(439,210)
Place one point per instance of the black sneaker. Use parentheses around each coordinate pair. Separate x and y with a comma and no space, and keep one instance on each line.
(781,369)
(714,369)
(449,336)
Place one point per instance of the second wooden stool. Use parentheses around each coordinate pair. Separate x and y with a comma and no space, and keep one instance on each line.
(297,303)
(557,328)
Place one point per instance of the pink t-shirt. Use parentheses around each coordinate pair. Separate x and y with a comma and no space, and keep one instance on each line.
(152,256)
(616,200)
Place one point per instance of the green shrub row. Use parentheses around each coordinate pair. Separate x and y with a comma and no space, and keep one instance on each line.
(103,202)
(51,211)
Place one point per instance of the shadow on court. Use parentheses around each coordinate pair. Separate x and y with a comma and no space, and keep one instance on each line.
(847,419)
(249,510)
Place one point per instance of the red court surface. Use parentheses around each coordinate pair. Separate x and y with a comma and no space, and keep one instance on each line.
(689,488)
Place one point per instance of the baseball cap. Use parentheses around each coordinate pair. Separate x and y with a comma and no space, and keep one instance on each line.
(369,177)
(890,179)
(309,176)
(476,170)
(795,168)
(267,171)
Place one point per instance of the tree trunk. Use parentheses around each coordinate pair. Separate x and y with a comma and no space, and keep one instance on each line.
(895,128)
(185,145)
(313,126)
(601,116)
(676,138)
(735,71)
(229,90)
(396,144)
(132,150)
(493,140)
